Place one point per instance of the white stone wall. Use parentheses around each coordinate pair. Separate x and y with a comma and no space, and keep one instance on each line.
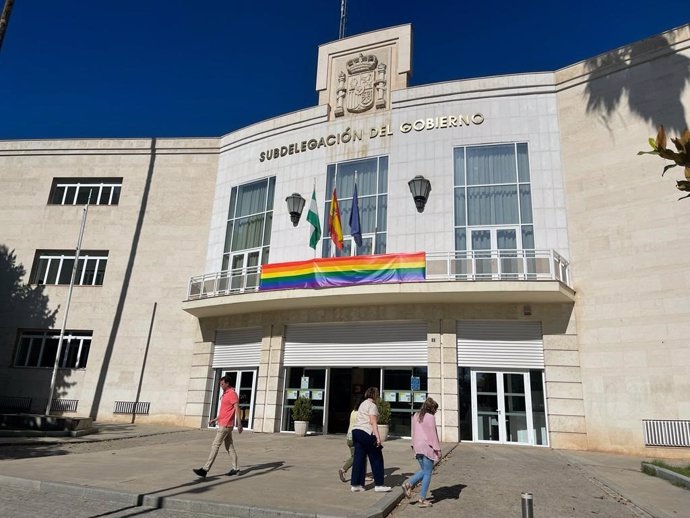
(515,108)
(629,247)
(170,240)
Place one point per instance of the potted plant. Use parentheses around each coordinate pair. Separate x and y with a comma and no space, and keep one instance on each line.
(384,419)
(301,414)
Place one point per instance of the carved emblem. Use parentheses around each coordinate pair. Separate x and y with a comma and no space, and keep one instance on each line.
(366,85)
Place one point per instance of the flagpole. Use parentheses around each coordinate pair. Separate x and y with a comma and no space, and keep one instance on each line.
(69,299)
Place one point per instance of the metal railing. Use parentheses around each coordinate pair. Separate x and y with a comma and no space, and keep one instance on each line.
(498,265)
(14,404)
(473,265)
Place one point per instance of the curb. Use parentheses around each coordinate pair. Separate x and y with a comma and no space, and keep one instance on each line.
(61,438)
(26,434)
(379,510)
(673,477)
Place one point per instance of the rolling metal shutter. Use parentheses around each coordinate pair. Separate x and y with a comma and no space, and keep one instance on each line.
(237,348)
(500,344)
(356,344)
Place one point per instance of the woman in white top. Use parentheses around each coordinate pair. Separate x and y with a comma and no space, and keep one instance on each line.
(367,441)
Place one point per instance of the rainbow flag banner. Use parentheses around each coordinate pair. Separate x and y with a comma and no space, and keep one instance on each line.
(344,271)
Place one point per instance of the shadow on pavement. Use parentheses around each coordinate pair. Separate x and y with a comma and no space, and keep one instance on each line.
(195,487)
(447,492)
(28,451)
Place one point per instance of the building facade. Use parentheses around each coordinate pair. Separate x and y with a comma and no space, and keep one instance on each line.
(550,312)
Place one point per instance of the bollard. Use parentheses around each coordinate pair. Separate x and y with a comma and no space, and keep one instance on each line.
(527,505)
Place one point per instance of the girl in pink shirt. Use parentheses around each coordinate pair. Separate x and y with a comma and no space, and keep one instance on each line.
(427,449)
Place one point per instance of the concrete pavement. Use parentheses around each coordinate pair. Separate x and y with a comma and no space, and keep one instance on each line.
(284,475)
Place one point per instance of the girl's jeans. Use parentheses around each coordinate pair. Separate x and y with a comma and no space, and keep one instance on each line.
(424,474)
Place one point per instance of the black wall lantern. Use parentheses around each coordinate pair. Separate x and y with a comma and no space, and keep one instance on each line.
(420,188)
(295,204)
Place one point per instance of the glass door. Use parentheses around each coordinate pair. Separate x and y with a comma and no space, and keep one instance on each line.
(244,273)
(495,252)
(502,407)
(245,384)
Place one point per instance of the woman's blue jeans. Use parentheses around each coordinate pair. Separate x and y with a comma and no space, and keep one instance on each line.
(424,474)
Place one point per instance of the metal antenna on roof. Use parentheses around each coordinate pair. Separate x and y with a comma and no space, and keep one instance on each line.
(343,18)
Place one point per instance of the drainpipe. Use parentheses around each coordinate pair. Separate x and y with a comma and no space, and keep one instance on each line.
(443,385)
(268,369)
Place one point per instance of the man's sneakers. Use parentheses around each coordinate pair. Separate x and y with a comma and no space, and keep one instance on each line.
(201,472)
(382,489)
(357,489)
(341,474)
(233,472)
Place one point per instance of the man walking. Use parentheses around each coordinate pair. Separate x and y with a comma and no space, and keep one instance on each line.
(228,416)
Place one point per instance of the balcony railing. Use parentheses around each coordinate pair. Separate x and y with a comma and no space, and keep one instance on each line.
(476,265)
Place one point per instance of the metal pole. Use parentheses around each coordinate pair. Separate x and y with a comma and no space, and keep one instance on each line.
(343,17)
(5,19)
(69,299)
(527,505)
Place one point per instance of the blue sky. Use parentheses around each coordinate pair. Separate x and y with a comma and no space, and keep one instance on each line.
(166,68)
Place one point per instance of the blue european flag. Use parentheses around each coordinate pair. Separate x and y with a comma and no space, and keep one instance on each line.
(355,229)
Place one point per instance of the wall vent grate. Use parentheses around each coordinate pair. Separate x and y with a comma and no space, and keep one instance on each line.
(132,407)
(666,432)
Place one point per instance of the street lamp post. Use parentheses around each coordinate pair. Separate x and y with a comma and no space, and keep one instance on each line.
(69,299)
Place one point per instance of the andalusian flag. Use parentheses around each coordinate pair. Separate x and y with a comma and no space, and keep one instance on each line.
(335,227)
(313,220)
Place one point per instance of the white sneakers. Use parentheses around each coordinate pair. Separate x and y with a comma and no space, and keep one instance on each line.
(378,489)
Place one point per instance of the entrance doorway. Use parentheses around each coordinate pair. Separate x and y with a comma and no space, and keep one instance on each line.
(245,384)
(506,407)
(346,389)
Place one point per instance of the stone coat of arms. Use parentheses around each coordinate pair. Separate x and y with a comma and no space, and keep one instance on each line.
(363,87)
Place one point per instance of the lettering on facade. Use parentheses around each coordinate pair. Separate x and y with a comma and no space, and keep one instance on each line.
(352,135)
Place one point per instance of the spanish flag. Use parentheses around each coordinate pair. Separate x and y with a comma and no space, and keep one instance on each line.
(335,227)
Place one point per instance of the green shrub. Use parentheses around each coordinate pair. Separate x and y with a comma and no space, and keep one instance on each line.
(384,411)
(302,409)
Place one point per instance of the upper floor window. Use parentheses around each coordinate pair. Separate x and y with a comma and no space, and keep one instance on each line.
(493,200)
(372,199)
(250,217)
(39,348)
(76,191)
(55,267)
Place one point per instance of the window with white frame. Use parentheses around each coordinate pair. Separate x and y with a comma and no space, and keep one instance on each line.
(372,199)
(493,201)
(39,349)
(79,191)
(248,233)
(55,267)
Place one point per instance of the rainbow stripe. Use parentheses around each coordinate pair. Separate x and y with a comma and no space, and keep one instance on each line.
(344,271)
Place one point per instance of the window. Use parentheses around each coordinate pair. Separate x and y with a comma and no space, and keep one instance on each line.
(493,201)
(76,191)
(248,233)
(38,349)
(55,267)
(372,199)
